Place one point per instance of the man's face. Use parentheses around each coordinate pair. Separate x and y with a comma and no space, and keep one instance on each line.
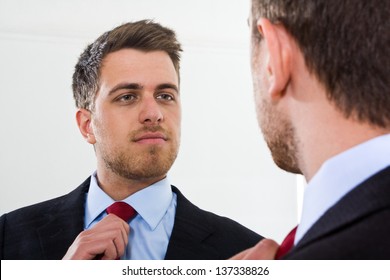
(277,129)
(137,115)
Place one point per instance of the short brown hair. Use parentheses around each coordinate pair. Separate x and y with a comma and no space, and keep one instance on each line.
(346,44)
(144,35)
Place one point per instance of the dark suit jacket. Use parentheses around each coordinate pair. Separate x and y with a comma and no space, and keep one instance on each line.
(357,227)
(46,230)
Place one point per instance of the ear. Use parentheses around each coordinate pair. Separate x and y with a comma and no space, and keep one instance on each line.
(84,119)
(277,43)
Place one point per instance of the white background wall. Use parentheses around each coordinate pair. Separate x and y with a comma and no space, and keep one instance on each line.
(223,166)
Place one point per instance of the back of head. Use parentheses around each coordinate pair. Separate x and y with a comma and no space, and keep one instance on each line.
(346,45)
(142,35)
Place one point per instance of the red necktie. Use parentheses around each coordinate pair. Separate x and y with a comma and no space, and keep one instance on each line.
(122,210)
(287,244)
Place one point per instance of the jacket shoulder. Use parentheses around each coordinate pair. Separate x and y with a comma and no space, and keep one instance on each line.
(222,236)
(40,209)
(24,231)
(355,227)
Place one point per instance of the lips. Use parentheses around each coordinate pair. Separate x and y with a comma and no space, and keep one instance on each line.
(151,138)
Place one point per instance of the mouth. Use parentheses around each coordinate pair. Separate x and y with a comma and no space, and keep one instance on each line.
(151,138)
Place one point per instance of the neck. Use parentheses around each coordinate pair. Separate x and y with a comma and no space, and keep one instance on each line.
(321,130)
(327,133)
(118,187)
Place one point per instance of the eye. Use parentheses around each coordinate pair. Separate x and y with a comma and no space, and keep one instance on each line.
(126,98)
(165,97)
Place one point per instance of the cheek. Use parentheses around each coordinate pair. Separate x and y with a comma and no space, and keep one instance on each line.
(172,124)
(109,128)
(259,108)
(173,116)
(176,124)
(258,87)
(99,130)
(259,73)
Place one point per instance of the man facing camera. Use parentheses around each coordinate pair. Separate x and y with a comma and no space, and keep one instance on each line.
(126,88)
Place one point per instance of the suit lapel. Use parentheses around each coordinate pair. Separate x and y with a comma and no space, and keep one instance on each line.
(65,220)
(190,229)
(368,197)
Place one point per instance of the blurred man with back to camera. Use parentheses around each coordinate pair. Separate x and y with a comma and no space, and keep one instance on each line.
(321,76)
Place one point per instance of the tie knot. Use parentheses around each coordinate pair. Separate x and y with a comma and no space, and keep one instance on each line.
(122,210)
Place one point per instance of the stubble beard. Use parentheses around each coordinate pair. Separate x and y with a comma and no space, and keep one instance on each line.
(280,137)
(141,165)
(278,131)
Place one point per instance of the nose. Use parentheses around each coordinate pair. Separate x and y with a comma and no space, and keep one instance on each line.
(150,113)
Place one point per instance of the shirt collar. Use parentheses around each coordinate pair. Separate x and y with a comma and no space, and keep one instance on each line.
(151,203)
(339,175)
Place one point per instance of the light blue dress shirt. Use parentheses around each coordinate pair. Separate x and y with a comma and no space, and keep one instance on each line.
(151,228)
(339,175)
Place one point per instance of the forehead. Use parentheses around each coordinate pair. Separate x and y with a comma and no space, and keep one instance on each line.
(138,66)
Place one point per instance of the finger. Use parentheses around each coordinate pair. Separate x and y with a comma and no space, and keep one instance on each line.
(264,250)
(122,237)
(107,240)
(110,244)
(84,249)
(117,232)
(121,224)
(111,251)
(121,242)
(240,255)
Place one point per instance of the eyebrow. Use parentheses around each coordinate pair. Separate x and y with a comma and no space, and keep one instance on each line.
(167,85)
(135,86)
